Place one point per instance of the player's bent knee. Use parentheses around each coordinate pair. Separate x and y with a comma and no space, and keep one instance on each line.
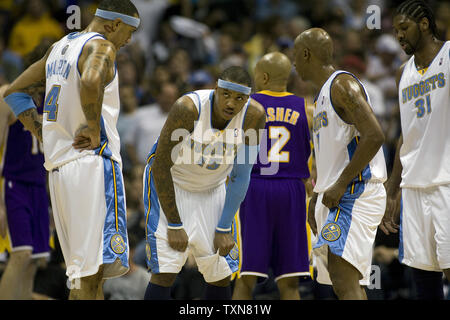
(163,279)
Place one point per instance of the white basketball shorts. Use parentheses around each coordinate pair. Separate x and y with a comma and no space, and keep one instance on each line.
(349,230)
(88,202)
(425,228)
(200,213)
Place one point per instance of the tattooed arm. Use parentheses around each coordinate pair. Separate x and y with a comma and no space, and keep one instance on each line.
(29,82)
(96,66)
(351,105)
(182,115)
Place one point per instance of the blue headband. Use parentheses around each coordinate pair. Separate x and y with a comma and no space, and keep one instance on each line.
(234,86)
(111,15)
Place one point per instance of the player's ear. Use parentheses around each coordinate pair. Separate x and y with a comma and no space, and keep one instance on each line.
(424,24)
(265,77)
(306,53)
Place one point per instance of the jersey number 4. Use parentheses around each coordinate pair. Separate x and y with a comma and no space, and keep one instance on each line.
(51,103)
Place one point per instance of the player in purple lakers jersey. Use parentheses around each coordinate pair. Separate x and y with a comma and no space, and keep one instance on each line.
(25,200)
(273,214)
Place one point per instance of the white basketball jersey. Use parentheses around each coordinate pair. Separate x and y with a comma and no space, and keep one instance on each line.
(335,142)
(206,156)
(424,99)
(63,114)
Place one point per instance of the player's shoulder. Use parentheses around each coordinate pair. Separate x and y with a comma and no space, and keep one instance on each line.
(255,109)
(185,107)
(344,83)
(99,44)
(199,95)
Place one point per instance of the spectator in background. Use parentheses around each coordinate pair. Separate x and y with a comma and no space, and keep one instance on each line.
(180,67)
(165,42)
(201,79)
(126,122)
(11,64)
(284,9)
(128,74)
(356,65)
(87,13)
(34,26)
(382,65)
(381,68)
(149,122)
(144,37)
(443,19)
(132,285)
(152,83)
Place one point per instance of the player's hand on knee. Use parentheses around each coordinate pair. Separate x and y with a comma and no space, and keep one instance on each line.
(223,242)
(178,239)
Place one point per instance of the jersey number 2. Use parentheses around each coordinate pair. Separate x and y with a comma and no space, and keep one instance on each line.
(282,136)
(51,103)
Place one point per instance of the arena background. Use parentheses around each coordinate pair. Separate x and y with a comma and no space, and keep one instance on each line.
(182,46)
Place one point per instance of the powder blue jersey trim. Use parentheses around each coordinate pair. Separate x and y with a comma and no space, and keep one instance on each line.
(115,239)
(401,252)
(344,219)
(103,150)
(152,213)
(366,174)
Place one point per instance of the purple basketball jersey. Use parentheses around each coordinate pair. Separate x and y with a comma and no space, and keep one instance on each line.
(286,148)
(24,160)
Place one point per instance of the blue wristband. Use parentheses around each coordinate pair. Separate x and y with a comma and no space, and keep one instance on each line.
(19,102)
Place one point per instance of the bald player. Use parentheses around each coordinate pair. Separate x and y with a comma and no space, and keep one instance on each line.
(273,214)
(349,197)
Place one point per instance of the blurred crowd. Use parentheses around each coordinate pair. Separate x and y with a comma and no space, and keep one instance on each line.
(182,45)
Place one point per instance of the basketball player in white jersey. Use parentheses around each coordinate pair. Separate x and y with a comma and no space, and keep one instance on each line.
(422,161)
(349,197)
(80,111)
(189,208)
